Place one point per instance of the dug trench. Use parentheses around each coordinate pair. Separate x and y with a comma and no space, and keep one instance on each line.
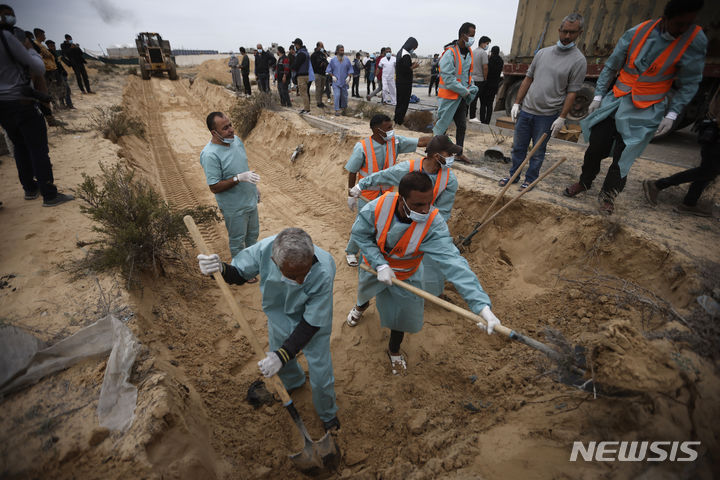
(472,405)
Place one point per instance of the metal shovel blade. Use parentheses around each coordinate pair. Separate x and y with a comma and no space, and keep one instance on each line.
(315,457)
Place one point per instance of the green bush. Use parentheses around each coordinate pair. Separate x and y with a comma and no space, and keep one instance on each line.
(115,122)
(246,112)
(140,231)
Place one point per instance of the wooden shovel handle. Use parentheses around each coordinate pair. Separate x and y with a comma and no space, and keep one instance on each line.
(274,381)
(439,301)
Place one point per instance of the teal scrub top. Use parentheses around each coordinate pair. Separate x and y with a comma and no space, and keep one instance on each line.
(221,163)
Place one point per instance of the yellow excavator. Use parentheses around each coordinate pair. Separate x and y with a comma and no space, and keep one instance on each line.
(155,56)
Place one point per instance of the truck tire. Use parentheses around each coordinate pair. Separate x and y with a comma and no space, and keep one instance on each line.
(172,72)
(144,71)
(511,94)
(583,97)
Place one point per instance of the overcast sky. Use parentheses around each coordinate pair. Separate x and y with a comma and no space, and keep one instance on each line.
(225,26)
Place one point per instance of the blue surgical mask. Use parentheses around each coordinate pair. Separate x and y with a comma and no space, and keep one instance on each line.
(10,20)
(448,161)
(565,47)
(260,50)
(388,56)
(485,47)
(289,281)
(469,42)
(389,135)
(415,216)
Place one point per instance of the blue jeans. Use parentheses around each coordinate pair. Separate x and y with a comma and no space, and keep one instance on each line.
(341,97)
(527,127)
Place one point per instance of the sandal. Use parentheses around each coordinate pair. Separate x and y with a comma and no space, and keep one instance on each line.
(351,259)
(524,186)
(504,181)
(398,365)
(354,316)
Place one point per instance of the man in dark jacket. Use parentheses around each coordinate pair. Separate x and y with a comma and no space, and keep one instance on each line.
(245,70)
(404,78)
(301,67)
(62,75)
(264,61)
(319,64)
(74,55)
(434,75)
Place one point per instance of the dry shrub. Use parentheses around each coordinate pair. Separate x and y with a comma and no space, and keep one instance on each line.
(139,231)
(214,81)
(419,121)
(115,122)
(246,112)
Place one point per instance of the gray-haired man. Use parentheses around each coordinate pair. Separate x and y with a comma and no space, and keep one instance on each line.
(296,281)
(554,77)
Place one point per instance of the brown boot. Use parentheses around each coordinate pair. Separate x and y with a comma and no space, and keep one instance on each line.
(692,210)
(575,189)
(606,202)
(651,191)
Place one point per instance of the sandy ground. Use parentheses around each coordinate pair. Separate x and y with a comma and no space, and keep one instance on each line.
(472,406)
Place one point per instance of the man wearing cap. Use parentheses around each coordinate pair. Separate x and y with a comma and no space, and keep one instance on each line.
(440,155)
(395,232)
(372,155)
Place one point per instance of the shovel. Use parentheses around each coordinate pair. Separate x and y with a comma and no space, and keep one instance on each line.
(315,456)
(575,375)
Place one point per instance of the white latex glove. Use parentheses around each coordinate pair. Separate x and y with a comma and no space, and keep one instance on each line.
(666,124)
(270,365)
(209,263)
(355,191)
(515,111)
(352,203)
(557,125)
(334,78)
(248,176)
(595,104)
(385,274)
(490,318)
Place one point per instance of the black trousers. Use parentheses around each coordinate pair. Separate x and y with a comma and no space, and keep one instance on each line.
(82,77)
(486,97)
(370,79)
(604,141)
(460,120)
(434,80)
(26,128)
(473,104)
(404,90)
(246,82)
(283,90)
(355,90)
(698,177)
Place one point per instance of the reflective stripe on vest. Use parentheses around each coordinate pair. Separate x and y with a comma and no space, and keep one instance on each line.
(449,94)
(652,85)
(441,180)
(405,257)
(371,166)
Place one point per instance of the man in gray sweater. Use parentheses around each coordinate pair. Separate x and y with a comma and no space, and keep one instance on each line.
(546,94)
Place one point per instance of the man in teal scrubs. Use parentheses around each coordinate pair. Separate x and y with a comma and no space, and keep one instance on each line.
(296,281)
(400,310)
(229,177)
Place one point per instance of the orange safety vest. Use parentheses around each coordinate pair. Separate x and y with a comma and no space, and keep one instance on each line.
(652,85)
(370,167)
(441,181)
(405,257)
(449,94)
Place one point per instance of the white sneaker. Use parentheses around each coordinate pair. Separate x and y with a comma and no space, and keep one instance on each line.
(354,316)
(474,120)
(351,259)
(398,365)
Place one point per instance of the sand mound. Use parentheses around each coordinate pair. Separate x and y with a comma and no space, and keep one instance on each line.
(624,359)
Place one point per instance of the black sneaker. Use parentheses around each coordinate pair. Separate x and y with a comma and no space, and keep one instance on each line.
(59,198)
(332,424)
(32,195)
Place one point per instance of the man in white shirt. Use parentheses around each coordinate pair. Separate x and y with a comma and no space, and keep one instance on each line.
(388,78)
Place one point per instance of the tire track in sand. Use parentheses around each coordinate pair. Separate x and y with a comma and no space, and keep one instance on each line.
(175,186)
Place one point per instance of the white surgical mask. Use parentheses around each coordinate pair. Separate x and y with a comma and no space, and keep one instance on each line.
(485,47)
(227,141)
(448,161)
(10,20)
(565,47)
(260,50)
(289,281)
(388,55)
(415,216)
(389,135)
(469,42)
